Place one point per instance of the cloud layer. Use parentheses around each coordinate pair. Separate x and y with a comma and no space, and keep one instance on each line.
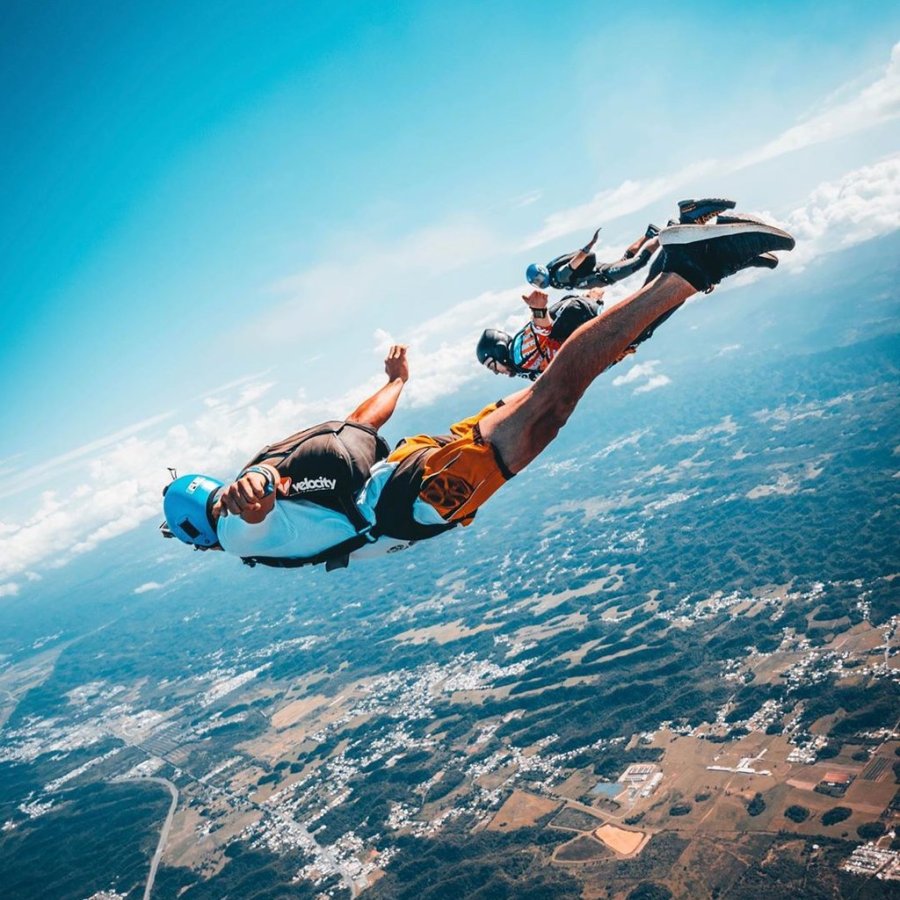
(116,481)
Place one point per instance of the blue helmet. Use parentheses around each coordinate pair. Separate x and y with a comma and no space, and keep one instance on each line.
(537,275)
(187,504)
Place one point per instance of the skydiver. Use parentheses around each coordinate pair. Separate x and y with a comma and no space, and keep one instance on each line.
(531,349)
(358,495)
(580,270)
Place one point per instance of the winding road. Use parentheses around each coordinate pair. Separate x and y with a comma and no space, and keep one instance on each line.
(163,835)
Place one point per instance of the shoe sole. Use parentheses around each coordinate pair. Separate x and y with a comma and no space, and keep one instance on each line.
(765,261)
(733,218)
(717,201)
(692,234)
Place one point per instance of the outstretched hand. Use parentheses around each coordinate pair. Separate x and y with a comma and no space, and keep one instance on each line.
(596,235)
(395,364)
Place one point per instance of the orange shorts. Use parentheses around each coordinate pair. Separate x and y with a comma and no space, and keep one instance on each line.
(461,470)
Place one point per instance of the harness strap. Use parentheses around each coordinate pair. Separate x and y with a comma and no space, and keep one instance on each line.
(336,557)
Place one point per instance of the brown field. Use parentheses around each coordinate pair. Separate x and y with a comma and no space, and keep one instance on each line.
(574,819)
(869,796)
(551,626)
(858,639)
(299,709)
(620,653)
(620,840)
(581,849)
(440,634)
(521,809)
(185,847)
(273,746)
(17,680)
(574,657)
(611,582)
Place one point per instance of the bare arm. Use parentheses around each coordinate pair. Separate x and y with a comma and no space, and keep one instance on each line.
(252,495)
(378,408)
(582,254)
(536,301)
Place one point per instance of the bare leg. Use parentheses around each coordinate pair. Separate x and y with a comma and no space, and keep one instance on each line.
(529,420)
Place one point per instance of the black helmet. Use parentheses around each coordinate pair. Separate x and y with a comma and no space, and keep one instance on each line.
(494,344)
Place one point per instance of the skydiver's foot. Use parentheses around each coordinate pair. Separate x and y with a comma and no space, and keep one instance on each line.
(652,231)
(693,234)
(705,254)
(696,212)
(764,260)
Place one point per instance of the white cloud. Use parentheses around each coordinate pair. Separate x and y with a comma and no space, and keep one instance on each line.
(727,427)
(148,586)
(657,381)
(630,440)
(370,270)
(442,348)
(863,204)
(636,372)
(640,371)
(120,485)
(24,477)
(117,486)
(875,104)
(526,199)
(612,203)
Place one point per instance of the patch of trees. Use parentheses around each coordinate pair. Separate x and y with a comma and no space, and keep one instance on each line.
(615,760)
(880,708)
(797,813)
(650,890)
(98,836)
(259,874)
(836,814)
(756,805)
(502,865)
(452,778)
(680,809)
(749,699)
(870,831)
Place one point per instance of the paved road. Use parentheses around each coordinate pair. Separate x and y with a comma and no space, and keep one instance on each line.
(163,835)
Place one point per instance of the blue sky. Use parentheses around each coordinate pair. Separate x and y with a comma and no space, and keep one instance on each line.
(211,208)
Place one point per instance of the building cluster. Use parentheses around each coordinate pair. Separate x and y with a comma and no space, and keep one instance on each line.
(874,861)
(290,820)
(806,747)
(640,780)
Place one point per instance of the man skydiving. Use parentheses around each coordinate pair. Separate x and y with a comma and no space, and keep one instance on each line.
(580,270)
(288,507)
(529,351)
